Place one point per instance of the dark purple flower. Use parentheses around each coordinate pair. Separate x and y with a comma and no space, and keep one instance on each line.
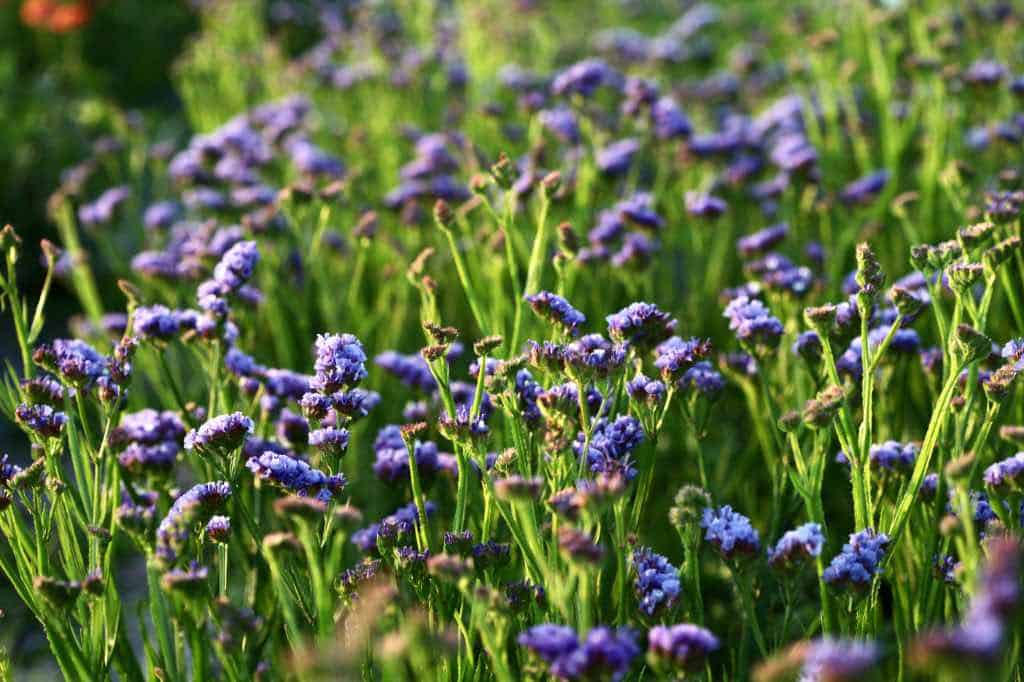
(657,582)
(865,189)
(641,325)
(859,562)
(704,205)
(556,310)
(616,158)
(340,362)
(730,532)
(683,646)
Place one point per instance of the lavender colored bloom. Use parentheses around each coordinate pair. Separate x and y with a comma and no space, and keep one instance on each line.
(704,205)
(613,441)
(1006,475)
(835,660)
(892,456)
(605,653)
(730,532)
(635,253)
(669,121)
(218,528)
(683,646)
(193,507)
(148,427)
(859,562)
(556,310)
(762,241)
(42,419)
(593,355)
(704,379)
(645,390)
(642,325)
(929,486)
(156,459)
(392,456)
(808,346)
(329,440)
(295,475)
(583,78)
(220,436)
(616,158)
(75,361)
(549,642)
(101,211)
(753,322)
(639,210)
(161,214)
(156,322)
(237,264)
(340,362)
(404,519)
(657,581)
(865,189)
(561,122)
(411,370)
(675,356)
(355,403)
(985,72)
(797,546)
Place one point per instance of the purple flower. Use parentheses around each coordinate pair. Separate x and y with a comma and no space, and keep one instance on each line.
(605,653)
(863,190)
(798,545)
(730,532)
(42,419)
(704,379)
(561,122)
(332,441)
(161,214)
(657,581)
(675,356)
(642,325)
(859,562)
(556,310)
(639,210)
(295,475)
(549,642)
(683,646)
(645,390)
(218,528)
(392,463)
(753,322)
(340,362)
(762,241)
(594,356)
(1006,475)
(411,370)
(669,121)
(984,72)
(236,266)
(704,205)
(156,322)
(101,211)
(892,456)
(156,459)
(616,158)
(835,660)
(191,508)
(220,436)
(404,519)
(583,78)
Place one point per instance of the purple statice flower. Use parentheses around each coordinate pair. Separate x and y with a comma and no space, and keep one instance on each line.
(291,428)
(639,210)
(892,456)
(236,266)
(561,122)
(657,581)
(549,642)
(669,121)
(557,311)
(191,508)
(616,158)
(74,361)
(284,383)
(704,205)
(46,390)
(985,72)
(635,253)
(796,546)
(527,393)
(762,241)
(404,519)
(411,370)
(904,341)
(676,355)
(1013,352)
(606,653)
(865,189)
(641,325)
(836,660)
(730,532)
(101,211)
(148,427)
(583,78)
(156,322)
(645,390)
(161,214)
(240,364)
(929,486)
(703,379)
(850,363)
(42,419)
(310,159)
(1006,475)
(218,528)
(156,459)
(808,346)
(330,440)
(859,562)
(684,646)
(295,476)
(392,463)
(220,435)
(612,441)
(204,198)
(355,403)
(593,355)
(753,323)
(340,362)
